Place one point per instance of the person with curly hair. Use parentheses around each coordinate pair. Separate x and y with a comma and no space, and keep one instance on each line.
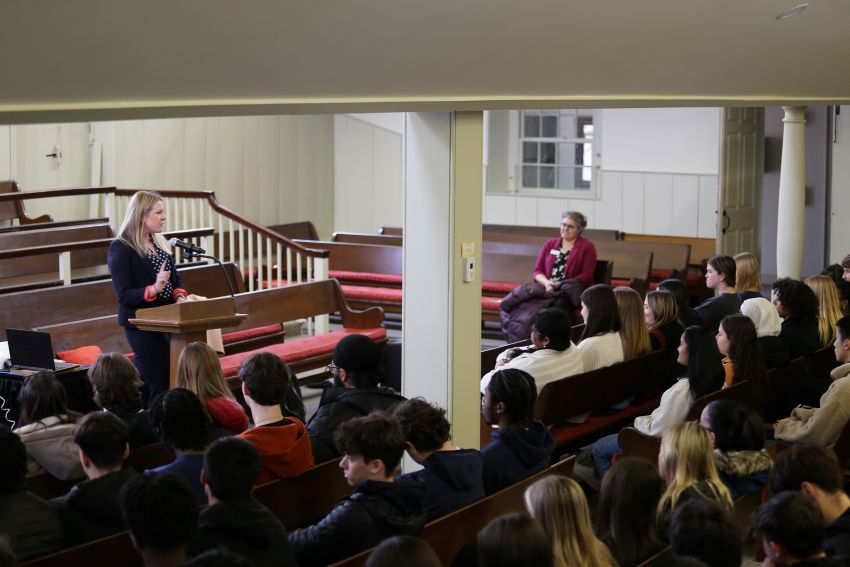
(738,342)
(797,304)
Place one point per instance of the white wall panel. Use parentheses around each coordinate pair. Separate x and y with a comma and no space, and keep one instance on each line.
(633,203)
(708,207)
(526,211)
(387,178)
(5,152)
(609,209)
(685,205)
(549,211)
(500,209)
(658,203)
(586,207)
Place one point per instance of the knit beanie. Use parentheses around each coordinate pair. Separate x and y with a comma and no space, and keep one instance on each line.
(357,353)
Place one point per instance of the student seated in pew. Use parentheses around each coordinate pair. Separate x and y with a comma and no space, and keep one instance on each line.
(737,341)
(551,356)
(747,276)
(661,316)
(737,434)
(46,427)
(234,520)
(817,472)
(92,508)
(829,310)
(514,539)
(843,297)
(704,530)
(32,526)
(600,342)
(282,441)
(520,446)
(178,419)
(452,476)
(791,527)
(687,316)
(633,333)
(199,371)
(720,277)
(774,349)
(116,385)
(161,512)
(356,391)
(408,551)
(797,304)
(372,447)
(698,353)
(823,425)
(626,516)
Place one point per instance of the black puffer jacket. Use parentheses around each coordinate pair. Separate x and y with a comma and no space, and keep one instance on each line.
(340,404)
(376,511)
(452,480)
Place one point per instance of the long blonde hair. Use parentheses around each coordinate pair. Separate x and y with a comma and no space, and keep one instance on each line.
(559,504)
(633,331)
(198,370)
(687,458)
(747,272)
(664,307)
(829,307)
(132,232)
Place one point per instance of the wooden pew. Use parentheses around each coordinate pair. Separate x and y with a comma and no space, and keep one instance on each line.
(53,224)
(117,548)
(366,238)
(297,230)
(15,210)
(538,233)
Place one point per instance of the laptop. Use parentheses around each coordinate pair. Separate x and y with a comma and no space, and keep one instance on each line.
(32,350)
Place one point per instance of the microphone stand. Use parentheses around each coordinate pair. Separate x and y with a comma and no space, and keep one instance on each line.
(192,254)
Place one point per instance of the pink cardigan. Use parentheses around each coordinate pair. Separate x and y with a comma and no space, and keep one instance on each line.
(580,265)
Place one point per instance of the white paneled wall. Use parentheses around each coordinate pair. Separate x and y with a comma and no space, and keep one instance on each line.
(5,153)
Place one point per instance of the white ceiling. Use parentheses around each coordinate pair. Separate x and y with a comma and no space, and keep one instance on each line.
(86,59)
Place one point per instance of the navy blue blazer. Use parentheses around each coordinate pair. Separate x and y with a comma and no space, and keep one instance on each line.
(131,275)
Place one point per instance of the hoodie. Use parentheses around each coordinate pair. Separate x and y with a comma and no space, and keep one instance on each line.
(244,527)
(284,448)
(92,509)
(376,511)
(514,454)
(452,480)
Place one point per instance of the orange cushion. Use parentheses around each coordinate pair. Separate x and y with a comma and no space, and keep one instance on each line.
(619,281)
(371,293)
(497,287)
(365,277)
(490,303)
(256,332)
(82,355)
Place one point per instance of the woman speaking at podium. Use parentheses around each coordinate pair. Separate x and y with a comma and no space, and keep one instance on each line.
(144,275)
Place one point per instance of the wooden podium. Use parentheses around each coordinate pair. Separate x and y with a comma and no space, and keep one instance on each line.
(188,322)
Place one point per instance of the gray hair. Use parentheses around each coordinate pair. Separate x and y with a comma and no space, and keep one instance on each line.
(577,218)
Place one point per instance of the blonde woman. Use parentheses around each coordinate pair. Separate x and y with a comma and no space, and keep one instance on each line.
(633,331)
(829,307)
(559,504)
(747,276)
(686,463)
(198,370)
(144,275)
(661,315)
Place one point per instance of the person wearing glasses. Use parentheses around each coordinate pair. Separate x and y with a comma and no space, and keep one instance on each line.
(356,391)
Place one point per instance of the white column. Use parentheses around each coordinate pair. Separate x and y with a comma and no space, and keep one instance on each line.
(441,326)
(791,217)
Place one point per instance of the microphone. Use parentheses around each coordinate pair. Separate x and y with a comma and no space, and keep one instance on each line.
(187,246)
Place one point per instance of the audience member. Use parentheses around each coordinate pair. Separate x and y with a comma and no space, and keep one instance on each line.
(791,527)
(372,447)
(774,349)
(661,315)
(452,477)
(515,539)
(829,307)
(46,427)
(559,504)
(551,356)
(626,517)
(199,371)
(179,421)
(737,434)
(797,304)
(817,472)
(698,353)
(161,513)
(677,287)
(738,342)
(92,508)
(520,446)
(843,297)
(845,263)
(32,526)
(406,551)
(117,388)
(720,277)
(355,392)
(823,425)
(283,442)
(633,333)
(600,342)
(747,276)
(705,530)
(235,521)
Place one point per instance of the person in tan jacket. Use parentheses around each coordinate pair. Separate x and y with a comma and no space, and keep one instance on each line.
(822,426)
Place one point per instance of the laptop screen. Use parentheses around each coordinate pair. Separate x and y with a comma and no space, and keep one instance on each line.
(30,348)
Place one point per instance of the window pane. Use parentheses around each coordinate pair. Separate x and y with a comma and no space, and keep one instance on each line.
(529,152)
(565,178)
(547,177)
(550,127)
(532,126)
(547,152)
(529,176)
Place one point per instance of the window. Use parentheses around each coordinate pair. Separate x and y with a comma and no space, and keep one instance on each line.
(556,150)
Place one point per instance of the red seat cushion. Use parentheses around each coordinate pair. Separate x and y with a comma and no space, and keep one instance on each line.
(490,303)
(567,433)
(299,350)
(85,355)
(653,286)
(619,281)
(695,277)
(371,293)
(497,287)
(256,332)
(658,274)
(365,277)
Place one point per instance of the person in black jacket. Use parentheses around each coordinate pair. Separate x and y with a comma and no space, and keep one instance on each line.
(379,507)
(521,446)
(452,476)
(92,508)
(234,520)
(720,274)
(797,304)
(355,393)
